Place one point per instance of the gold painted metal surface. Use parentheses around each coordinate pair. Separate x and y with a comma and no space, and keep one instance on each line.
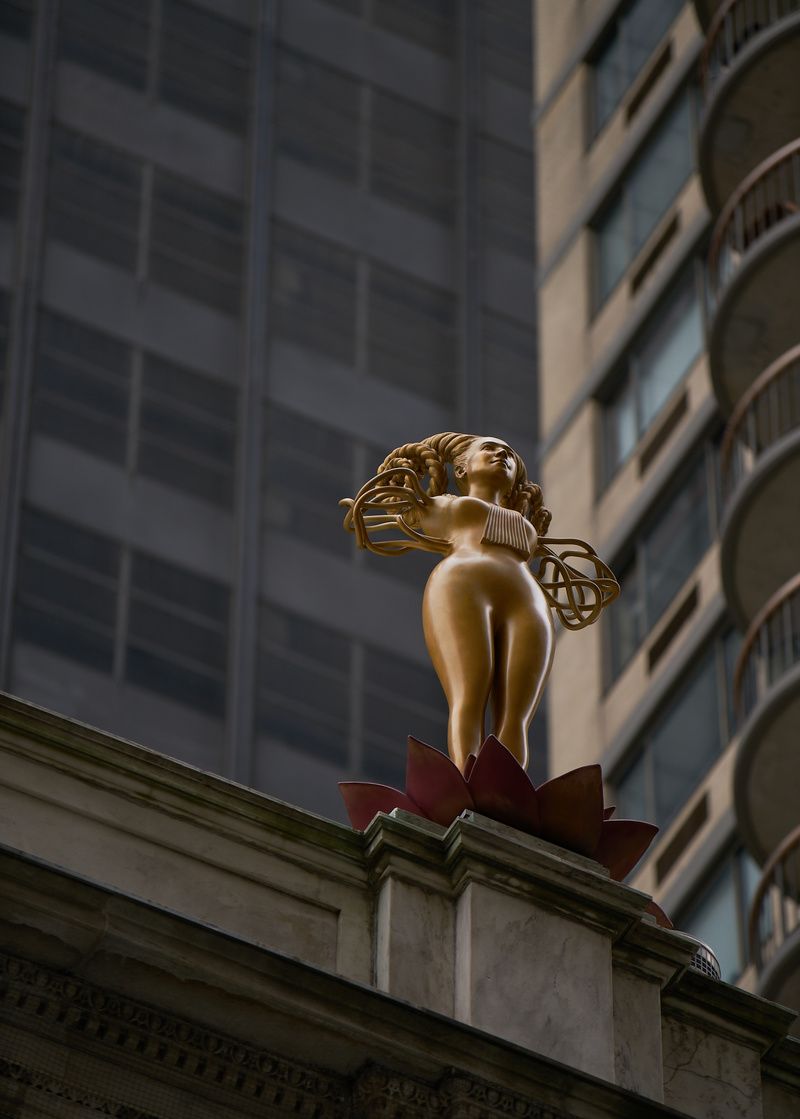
(486,615)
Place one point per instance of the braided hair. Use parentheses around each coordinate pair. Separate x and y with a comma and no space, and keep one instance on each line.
(431,455)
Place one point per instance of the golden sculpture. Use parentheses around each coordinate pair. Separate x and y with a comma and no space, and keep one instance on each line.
(486,615)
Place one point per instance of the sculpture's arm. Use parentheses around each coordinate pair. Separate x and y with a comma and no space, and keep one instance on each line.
(394,500)
(577,597)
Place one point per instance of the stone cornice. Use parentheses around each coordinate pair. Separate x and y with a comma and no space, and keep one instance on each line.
(150,780)
(728,1011)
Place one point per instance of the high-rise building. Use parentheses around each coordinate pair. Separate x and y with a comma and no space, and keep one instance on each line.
(247,247)
(660,323)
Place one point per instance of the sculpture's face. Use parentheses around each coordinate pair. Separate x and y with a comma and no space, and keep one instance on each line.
(488,459)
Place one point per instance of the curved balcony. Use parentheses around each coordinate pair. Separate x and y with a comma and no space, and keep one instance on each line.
(748,73)
(767,695)
(775,924)
(753,265)
(760,469)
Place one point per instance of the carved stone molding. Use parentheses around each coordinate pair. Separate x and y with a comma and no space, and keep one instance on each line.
(65,1006)
(135,1035)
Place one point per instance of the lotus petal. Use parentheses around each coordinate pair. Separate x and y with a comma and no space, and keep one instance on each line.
(622,844)
(435,784)
(502,790)
(655,910)
(609,812)
(571,808)
(363,800)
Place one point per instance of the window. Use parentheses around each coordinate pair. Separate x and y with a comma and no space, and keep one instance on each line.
(430,23)
(196,242)
(656,362)
(12,140)
(298,659)
(648,188)
(411,334)
(413,156)
(313,293)
(187,431)
(308,468)
(94,198)
(509,366)
(177,638)
(719,916)
(682,742)
(632,38)
(400,698)
(317,117)
(110,37)
(507,197)
(409,156)
(68,585)
(67,581)
(506,29)
(664,554)
(201,65)
(363,697)
(204,64)
(82,387)
(16,17)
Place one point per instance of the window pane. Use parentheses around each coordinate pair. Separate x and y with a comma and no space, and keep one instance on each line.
(626,620)
(308,469)
(660,171)
(620,427)
(411,334)
(413,156)
(631,795)
(612,247)
(714,920)
(313,293)
(187,431)
(317,114)
(94,198)
(645,194)
(668,350)
(686,741)
(82,387)
(177,633)
(196,242)
(430,23)
(298,658)
(676,543)
(204,64)
(67,590)
(110,37)
(634,36)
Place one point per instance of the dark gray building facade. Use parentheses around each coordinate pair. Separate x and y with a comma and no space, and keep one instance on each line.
(246,248)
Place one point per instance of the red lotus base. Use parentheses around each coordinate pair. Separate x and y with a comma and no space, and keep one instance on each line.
(567,810)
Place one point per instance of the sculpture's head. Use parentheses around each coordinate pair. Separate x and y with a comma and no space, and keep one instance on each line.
(469,456)
(486,457)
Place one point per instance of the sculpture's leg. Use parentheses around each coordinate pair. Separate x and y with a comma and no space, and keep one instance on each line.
(458,634)
(524,654)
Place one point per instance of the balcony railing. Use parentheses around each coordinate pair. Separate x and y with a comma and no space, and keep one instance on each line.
(768,410)
(770,194)
(775,912)
(735,24)
(770,649)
